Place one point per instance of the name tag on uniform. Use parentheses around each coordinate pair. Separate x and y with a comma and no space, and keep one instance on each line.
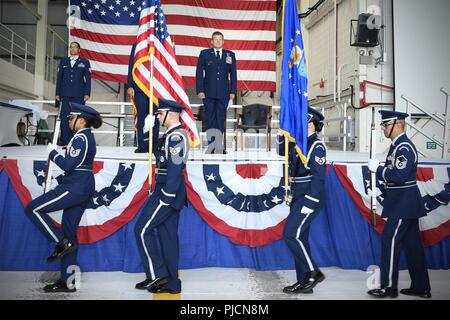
(81,65)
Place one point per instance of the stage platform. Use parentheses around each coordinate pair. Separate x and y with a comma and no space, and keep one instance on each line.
(236,284)
(233,219)
(196,154)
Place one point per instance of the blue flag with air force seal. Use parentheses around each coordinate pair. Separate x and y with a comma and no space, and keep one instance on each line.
(294,81)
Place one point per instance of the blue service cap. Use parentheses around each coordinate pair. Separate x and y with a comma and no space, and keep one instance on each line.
(388,115)
(314,115)
(83,110)
(169,105)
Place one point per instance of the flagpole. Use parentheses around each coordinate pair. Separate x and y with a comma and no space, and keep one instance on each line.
(48,173)
(150,130)
(70,28)
(286,139)
(286,166)
(373,181)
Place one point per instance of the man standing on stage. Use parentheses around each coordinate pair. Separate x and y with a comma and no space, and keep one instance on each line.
(141,102)
(73,84)
(216,78)
(402,206)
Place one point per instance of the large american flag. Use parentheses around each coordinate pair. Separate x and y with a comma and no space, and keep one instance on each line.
(106,30)
(167,82)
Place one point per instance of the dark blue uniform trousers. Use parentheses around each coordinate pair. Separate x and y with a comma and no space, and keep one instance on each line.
(404,232)
(73,204)
(215,113)
(159,223)
(66,132)
(296,237)
(142,110)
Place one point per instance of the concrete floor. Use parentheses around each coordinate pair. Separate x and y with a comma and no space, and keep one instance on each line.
(211,284)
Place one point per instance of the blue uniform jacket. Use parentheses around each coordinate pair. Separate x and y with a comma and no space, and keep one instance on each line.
(76,81)
(220,76)
(402,198)
(77,162)
(171,157)
(308,180)
(130,81)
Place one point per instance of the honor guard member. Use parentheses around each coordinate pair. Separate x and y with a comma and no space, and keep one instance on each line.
(72,195)
(402,206)
(307,198)
(216,82)
(160,215)
(73,84)
(141,102)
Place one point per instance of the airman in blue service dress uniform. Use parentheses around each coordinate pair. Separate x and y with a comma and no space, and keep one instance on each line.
(141,101)
(72,195)
(216,83)
(161,212)
(307,184)
(402,206)
(73,84)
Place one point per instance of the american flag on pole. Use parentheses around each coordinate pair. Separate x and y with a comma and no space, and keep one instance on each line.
(167,81)
(106,29)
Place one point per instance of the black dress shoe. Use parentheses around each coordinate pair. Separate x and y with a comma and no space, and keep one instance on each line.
(161,289)
(58,286)
(412,292)
(296,288)
(140,151)
(292,286)
(157,283)
(144,284)
(63,247)
(311,280)
(384,292)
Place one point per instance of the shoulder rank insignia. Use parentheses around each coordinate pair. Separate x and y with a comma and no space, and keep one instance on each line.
(320,160)
(400,162)
(175,150)
(74,152)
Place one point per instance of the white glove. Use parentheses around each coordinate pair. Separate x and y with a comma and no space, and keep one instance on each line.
(50,148)
(149,123)
(373,165)
(306,210)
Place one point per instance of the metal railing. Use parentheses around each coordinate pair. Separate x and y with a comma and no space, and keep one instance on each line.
(120,129)
(441,120)
(18,51)
(344,121)
(124,129)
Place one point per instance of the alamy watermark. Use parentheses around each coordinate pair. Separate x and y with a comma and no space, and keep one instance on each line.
(373,281)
